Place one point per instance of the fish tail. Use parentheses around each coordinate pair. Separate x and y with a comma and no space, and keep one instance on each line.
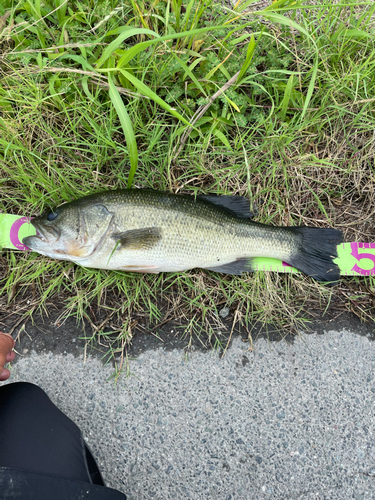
(316,251)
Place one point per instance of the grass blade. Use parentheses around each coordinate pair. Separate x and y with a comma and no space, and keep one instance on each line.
(239,7)
(79,59)
(190,73)
(222,138)
(355,33)
(126,33)
(62,6)
(310,90)
(287,95)
(279,19)
(193,64)
(127,127)
(249,56)
(147,92)
(144,45)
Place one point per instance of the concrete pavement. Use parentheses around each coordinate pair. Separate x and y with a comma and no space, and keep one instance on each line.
(284,421)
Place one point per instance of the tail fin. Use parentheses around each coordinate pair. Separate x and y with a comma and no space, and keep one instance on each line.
(317,250)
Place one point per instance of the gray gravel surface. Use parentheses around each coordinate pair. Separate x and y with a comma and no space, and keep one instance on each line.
(285,421)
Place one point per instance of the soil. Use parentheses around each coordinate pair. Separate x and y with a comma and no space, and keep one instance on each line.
(46,334)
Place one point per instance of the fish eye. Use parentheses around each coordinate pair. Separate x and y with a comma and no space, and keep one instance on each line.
(52,215)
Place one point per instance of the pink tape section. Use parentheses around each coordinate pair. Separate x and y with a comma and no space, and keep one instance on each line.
(14,230)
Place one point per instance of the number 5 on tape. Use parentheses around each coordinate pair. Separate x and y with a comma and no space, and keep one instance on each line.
(364,253)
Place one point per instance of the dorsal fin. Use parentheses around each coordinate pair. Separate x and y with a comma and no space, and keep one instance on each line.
(236,205)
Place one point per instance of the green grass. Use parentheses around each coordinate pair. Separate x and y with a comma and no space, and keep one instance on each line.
(100,95)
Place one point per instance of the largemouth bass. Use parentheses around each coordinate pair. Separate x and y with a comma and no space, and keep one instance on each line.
(149,231)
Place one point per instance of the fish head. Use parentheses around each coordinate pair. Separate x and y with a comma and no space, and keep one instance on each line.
(73,231)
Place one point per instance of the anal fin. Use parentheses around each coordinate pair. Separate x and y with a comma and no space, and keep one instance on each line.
(238,266)
(140,269)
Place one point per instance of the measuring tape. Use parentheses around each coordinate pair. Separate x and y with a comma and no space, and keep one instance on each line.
(354,259)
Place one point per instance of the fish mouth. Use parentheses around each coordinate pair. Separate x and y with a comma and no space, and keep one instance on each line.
(45,235)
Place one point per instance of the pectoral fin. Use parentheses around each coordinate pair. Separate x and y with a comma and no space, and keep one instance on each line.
(138,239)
